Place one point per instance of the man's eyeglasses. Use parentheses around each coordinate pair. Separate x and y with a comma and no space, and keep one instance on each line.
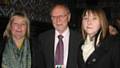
(59,17)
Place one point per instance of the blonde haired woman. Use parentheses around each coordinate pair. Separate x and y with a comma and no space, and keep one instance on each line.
(18,49)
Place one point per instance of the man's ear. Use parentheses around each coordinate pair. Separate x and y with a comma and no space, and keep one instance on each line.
(69,17)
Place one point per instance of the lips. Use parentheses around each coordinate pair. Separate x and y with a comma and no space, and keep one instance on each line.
(18,31)
(59,24)
(88,27)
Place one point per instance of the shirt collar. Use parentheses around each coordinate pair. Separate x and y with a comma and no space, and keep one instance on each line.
(63,34)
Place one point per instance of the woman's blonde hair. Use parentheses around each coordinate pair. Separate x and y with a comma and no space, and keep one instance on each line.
(7,32)
(102,18)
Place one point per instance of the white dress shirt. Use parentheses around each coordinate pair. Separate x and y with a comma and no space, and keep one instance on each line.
(65,39)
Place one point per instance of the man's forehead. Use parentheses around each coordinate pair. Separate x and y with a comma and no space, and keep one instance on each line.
(59,7)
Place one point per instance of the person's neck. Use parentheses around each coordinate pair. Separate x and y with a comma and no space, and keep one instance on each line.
(18,42)
(62,31)
(91,37)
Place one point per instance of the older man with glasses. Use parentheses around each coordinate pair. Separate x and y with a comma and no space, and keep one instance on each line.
(60,45)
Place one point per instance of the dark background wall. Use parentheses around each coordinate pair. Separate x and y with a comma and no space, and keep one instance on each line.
(38,11)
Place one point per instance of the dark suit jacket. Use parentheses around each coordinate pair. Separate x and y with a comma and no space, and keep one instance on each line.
(107,55)
(35,52)
(47,44)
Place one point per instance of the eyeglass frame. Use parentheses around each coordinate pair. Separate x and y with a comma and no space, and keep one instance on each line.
(59,16)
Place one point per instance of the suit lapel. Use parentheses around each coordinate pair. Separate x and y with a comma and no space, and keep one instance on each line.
(72,52)
(98,53)
(69,52)
(50,53)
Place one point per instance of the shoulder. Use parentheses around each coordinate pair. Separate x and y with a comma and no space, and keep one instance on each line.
(46,33)
(113,39)
(111,42)
(75,34)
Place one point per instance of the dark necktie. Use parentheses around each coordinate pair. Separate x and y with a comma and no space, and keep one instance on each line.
(59,54)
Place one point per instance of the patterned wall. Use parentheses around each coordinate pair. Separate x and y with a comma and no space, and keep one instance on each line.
(36,9)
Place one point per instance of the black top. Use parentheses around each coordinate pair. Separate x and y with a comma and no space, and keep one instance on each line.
(107,55)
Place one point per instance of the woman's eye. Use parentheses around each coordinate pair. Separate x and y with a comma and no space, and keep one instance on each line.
(85,18)
(94,18)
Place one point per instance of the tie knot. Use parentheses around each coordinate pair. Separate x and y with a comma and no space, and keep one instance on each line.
(60,36)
